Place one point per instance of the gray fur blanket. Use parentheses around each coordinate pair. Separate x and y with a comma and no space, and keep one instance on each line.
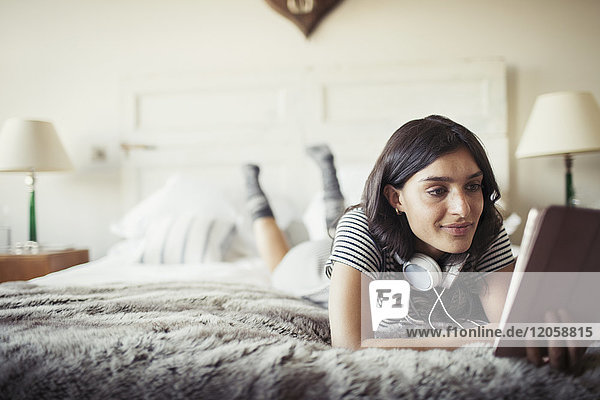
(226,341)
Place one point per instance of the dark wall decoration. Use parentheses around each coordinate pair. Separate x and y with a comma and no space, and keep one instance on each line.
(306,14)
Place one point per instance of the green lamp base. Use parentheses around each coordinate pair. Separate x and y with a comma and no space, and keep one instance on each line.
(570,189)
(30,183)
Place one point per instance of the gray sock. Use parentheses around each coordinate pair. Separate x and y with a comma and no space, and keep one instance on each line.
(256,201)
(333,197)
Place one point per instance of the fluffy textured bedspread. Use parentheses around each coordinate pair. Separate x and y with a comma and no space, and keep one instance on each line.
(226,341)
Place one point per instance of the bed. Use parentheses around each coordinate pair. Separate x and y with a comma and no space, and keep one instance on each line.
(182,307)
(211,339)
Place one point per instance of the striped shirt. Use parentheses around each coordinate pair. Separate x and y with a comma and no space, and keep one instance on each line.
(354,246)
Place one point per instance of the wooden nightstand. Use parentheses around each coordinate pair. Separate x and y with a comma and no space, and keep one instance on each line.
(18,267)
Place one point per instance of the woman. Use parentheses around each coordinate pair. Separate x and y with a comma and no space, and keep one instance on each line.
(431,191)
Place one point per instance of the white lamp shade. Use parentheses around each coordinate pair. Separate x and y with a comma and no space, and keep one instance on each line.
(27,145)
(561,123)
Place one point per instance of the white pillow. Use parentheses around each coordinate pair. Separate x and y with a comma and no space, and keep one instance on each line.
(133,224)
(180,194)
(187,238)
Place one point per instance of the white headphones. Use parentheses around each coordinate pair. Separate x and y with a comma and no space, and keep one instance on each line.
(423,272)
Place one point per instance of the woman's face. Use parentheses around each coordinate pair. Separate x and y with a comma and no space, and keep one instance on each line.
(443,203)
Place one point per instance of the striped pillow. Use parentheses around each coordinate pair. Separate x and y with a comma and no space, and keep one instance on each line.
(186,238)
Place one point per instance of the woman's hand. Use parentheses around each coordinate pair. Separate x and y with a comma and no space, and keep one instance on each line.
(560,355)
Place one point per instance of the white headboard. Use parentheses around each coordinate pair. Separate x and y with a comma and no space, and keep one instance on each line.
(209,123)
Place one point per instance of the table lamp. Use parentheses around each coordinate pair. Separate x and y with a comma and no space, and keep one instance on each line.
(562,123)
(31,146)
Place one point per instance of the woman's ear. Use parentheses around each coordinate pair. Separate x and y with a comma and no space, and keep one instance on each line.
(393,197)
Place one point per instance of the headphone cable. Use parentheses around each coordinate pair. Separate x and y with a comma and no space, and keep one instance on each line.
(439,299)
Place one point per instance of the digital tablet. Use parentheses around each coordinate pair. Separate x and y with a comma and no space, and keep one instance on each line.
(557,268)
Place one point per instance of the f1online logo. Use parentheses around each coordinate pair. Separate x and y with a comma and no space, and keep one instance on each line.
(388,299)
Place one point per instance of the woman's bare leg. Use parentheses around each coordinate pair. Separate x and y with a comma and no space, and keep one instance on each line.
(270,240)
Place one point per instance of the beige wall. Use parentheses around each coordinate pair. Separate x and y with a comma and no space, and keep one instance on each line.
(64,60)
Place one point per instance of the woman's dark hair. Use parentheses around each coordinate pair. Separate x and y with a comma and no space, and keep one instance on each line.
(414,146)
